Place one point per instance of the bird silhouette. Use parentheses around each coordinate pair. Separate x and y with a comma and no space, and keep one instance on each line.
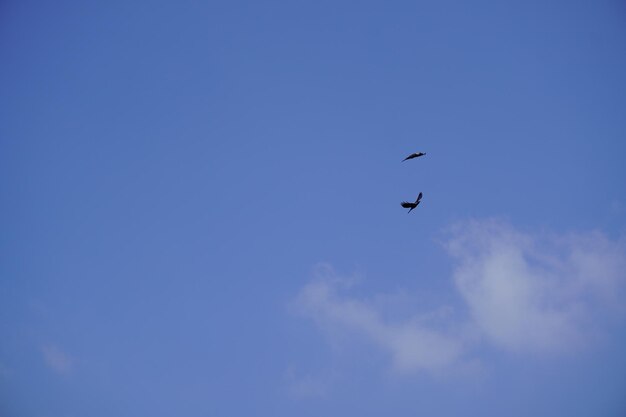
(411,206)
(414,155)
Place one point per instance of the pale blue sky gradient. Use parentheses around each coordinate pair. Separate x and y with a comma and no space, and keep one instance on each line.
(173,174)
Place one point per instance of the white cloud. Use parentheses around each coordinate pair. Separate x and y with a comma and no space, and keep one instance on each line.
(56,359)
(535,293)
(523,293)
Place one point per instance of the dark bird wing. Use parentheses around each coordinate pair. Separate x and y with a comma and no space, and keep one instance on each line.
(419,198)
(414,155)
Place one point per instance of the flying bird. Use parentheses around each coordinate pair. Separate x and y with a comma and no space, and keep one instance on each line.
(411,206)
(414,155)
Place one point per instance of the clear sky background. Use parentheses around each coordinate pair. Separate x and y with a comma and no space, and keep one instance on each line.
(200,208)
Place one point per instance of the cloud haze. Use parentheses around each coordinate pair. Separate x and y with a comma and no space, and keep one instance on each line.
(521,292)
(56,359)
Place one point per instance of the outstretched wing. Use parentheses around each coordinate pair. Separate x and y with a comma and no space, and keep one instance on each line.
(419,198)
(406,204)
(413,155)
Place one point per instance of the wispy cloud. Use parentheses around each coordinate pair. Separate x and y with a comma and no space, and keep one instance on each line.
(56,359)
(308,385)
(522,292)
(411,343)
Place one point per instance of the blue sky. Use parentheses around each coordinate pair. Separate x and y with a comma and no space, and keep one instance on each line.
(200,208)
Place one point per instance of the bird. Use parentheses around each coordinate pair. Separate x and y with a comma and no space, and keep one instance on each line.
(411,206)
(414,155)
